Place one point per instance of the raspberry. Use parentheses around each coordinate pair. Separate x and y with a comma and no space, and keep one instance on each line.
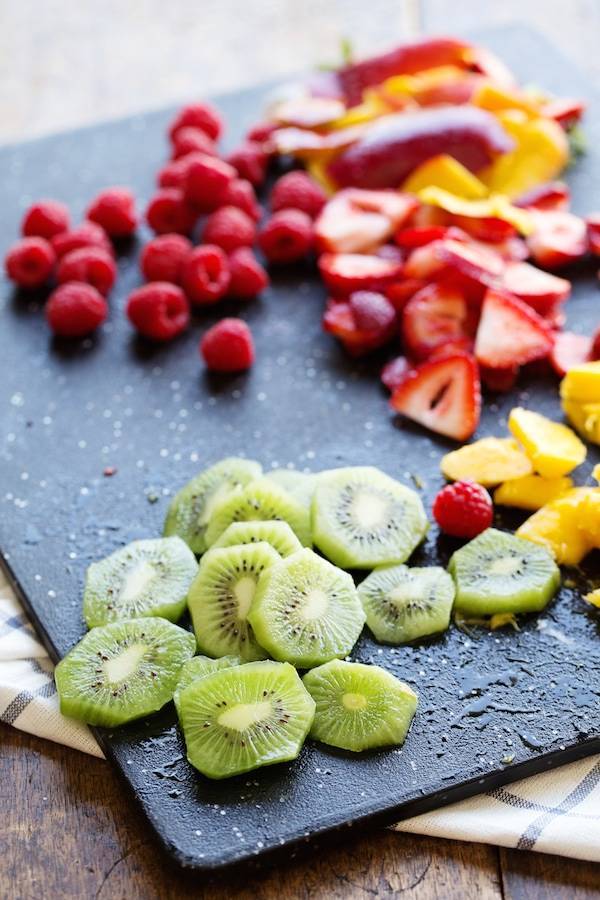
(158,310)
(207,179)
(163,258)
(250,161)
(229,228)
(29,262)
(45,219)
(168,212)
(75,309)
(189,140)
(88,234)
(198,115)
(261,132)
(371,311)
(287,236)
(248,278)
(93,265)
(297,190)
(240,193)
(228,346)
(463,509)
(206,276)
(174,173)
(114,210)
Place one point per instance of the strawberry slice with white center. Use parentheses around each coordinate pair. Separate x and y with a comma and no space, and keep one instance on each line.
(593,228)
(344,273)
(474,262)
(433,316)
(570,350)
(443,395)
(559,238)
(510,333)
(541,290)
(357,221)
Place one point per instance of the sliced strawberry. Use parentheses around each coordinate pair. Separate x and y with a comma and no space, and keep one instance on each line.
(420,235)
(357,221)
(570,350)
(476,263)
(399,292)
(566,111)
(595,348)
(500,381)
(443,394)
(429,217)
(452,347)
(513,249)
(593,229)
(391,253)
(542,291)
(394,372)
(559,238)
(510,333)
(486,228)
(432,317)
(554,196)
(344,273)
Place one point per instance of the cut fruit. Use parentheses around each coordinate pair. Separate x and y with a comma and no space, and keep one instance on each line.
(559,238)
(221,596)
(199,667)
(192,507)
(359,707)
(403,604)
(531,491)
(261,500)
(510,333)
(540,290)
(239,719)
(300,485)
(500,573)
(123,670)
(344,273)
(433,316)
(363,518)
(563,527)
(569,350)
(593,598)
(358,221)
(278,534)
(487,461)
(145,578)
(306,611)
(582,383)
(552,447)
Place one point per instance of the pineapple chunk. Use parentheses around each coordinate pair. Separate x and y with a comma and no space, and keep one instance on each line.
(553,448)
(561,526)
(593,597)
(531,491)
(489,461)
(582,383)
(596,473)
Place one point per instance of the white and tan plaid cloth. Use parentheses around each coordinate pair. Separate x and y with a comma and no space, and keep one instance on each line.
(557,812)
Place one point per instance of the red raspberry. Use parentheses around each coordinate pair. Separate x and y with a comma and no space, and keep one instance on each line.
(463,509)
(372,311)
(169,212)
(174,173)
(250,161)
(75,309)
(207,179)
(297,190)
(261,132)
(287,236)
(228,346)
(229,228)
(248,278)
(158,310)
(45,219)
(114,210)
(198,115)
(189,140)
(88,234)
(93,265)
(29,262)
(206,275)
(240,193)
(163,258)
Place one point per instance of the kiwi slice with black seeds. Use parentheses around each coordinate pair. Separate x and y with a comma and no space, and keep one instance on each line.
(199,667)
(403,604)
(239,719)
(221,596)
(278,534)
(124,670)
(359,707)
(306,610)
(362,518)
(192,506)
(145,578)
(498,572)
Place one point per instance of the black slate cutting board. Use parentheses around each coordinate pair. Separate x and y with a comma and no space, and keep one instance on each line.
(493,706)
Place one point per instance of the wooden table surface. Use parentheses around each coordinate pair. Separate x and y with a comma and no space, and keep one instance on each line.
(67,829)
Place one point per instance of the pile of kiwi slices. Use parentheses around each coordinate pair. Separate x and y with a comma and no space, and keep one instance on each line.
(263,604)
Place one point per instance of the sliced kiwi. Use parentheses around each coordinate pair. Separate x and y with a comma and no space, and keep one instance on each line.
(300,485)
(259,501)
(192,507)
(359,706)
(242,718)
(145,578)
(221,596)
(362,518)
(278,534)
(306,611)
(403,604)
(123,670)
(199,667)
(501,573)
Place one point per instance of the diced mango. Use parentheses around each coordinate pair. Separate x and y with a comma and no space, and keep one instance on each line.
(582,383)
(489,461)
(596,473)
(496,206)
(585,418)
(445,172)
(557,527)
(553,448)
(495,98)
(531,491)
(590,519)
(593,597)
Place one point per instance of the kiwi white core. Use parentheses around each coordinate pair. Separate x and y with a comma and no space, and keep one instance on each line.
(315,605)
(506,565)
(368,509)
(137,580)
(124,665)
(406,593)
(243,715)
(354,702)
(244,590)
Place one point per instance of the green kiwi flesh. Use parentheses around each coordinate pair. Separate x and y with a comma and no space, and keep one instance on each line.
(199,667)
(239,719)
(123,670)
(359,707)
(300,485)
(278,534)
(260,500)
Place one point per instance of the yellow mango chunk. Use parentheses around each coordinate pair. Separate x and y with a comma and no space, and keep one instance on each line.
(531,491)
(582,383)
(590,518)
(496,206)
(593,598)
(445,172)
(557,527)
(495,98)
(596,473)
(553,448)
(489,461)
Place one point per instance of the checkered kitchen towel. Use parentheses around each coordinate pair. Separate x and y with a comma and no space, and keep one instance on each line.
(557,812)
